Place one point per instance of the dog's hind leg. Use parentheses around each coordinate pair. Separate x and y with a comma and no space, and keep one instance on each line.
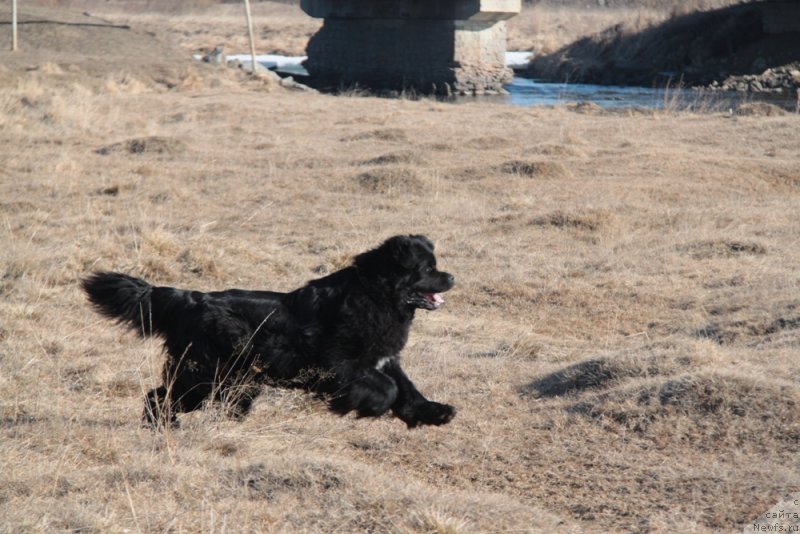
(158,409)
(164,403)
(238,400)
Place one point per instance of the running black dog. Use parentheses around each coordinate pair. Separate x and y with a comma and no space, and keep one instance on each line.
(339,336)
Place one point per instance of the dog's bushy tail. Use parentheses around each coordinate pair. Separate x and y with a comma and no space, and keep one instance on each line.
(130,301)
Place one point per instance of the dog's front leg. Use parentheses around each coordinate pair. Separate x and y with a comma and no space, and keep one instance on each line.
(411,406)
(368,392)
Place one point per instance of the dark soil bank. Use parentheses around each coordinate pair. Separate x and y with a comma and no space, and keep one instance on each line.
(725,48)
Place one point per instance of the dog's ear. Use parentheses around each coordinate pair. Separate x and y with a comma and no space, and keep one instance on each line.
(406,250)
(423,241)
(399,251)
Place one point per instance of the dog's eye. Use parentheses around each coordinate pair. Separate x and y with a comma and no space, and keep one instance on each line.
(428,269)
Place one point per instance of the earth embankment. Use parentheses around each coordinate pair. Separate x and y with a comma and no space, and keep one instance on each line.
(726,47)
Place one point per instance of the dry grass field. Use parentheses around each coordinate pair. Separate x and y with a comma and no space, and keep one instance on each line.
(621,344)
(282,28)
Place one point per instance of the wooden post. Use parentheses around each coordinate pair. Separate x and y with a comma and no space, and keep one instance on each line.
(250,33)
(13,25)
(797,106)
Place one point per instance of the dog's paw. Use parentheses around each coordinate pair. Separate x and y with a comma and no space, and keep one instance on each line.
(340,405)
(433,413)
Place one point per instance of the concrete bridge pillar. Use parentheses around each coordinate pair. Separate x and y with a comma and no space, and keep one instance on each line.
(430,46)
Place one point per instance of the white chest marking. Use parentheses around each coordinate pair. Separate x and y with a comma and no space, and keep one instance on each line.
(382,362)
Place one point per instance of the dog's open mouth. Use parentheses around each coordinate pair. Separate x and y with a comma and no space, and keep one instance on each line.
(428,301)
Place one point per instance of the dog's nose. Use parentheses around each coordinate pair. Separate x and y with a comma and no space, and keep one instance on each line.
(451,280)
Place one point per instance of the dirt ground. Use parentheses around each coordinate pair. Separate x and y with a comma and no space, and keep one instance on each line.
(621,343)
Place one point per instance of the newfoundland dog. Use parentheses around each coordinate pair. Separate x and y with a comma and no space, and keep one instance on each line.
(339,336)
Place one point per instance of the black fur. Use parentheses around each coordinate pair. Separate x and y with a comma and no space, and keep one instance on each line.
(340,335)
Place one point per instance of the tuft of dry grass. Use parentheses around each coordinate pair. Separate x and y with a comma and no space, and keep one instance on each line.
(390,181)
(710,411)
(535,169)
(760,109)
(144,145)
(403,157)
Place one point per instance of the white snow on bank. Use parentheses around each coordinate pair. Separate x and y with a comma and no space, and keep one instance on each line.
(518,60)
(270,61)
(515,60)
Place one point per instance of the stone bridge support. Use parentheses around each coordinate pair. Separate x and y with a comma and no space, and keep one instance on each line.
(429,46)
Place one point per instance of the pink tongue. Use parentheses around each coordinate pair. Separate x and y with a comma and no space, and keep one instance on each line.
(436,298)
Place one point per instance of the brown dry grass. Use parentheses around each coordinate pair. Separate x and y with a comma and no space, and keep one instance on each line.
(279,28)
(545,28)
(282,27)
(621,343)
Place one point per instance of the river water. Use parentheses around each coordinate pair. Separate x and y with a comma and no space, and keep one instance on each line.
(528,92)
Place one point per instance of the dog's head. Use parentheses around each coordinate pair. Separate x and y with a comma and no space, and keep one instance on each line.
(405,266)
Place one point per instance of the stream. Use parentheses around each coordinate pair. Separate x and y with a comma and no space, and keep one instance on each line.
(529,92)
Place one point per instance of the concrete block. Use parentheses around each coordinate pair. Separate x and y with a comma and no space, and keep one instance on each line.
(431,9)
(439,46)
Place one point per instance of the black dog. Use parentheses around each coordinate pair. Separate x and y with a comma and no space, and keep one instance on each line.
(339,336)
